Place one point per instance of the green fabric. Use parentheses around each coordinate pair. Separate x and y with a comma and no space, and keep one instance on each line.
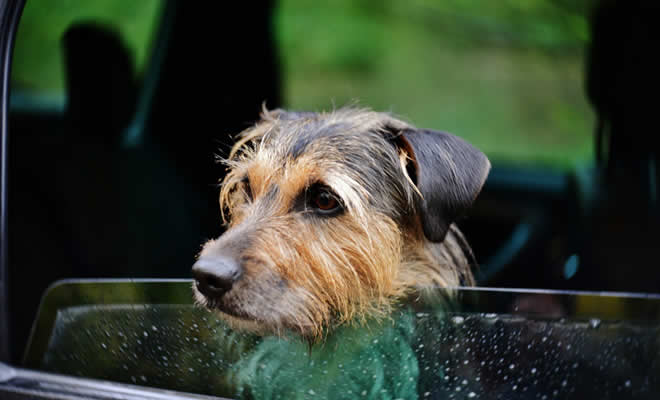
(372,361)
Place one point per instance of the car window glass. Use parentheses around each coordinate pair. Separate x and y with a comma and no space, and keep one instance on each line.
(539,345)
(506,75)
(38,73)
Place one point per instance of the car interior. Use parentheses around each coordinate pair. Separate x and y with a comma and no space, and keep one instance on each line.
(118,176)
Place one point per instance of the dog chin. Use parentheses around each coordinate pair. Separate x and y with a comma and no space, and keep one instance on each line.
(218,306)
(236,319)
(242,324)
(254,320)
(229,312)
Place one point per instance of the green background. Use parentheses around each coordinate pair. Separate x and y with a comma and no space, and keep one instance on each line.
(506,75)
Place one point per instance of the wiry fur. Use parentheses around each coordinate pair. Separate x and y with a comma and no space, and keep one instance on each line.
(303,272)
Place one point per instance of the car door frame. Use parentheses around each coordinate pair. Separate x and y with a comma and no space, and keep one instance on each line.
(10,14)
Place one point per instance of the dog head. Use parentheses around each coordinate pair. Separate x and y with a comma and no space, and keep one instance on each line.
(326,211)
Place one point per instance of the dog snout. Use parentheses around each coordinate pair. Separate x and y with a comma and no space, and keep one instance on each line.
(215,276)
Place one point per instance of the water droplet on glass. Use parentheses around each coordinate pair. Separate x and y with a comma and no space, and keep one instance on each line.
(594,322)
(104,346)
(464,382)
(512,366)
(471,395)
(457,319)
(311,392)
(145,334)
(153,328)
(627,383)
(533,370)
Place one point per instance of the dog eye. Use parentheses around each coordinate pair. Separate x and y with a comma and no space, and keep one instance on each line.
(322,200)
(325,201)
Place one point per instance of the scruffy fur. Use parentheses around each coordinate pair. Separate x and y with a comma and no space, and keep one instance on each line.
(306,272)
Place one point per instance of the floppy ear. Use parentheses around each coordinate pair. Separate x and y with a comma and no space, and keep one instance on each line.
(449,173)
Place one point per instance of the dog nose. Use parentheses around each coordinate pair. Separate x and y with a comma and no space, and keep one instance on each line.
(214,276)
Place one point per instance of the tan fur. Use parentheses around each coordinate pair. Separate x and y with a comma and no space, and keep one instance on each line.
(307,274)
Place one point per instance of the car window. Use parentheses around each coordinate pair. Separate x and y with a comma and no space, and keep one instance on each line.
(38,73)
(507,76)
(477,343)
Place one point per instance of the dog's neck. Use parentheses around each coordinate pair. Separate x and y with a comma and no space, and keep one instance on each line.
(443,264)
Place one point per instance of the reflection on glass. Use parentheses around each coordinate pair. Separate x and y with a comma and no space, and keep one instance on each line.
(537,346)
(38,65)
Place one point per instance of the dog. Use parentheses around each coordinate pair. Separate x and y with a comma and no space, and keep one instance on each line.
(334,219)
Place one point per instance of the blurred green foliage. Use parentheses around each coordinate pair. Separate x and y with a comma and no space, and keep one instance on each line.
(506,75)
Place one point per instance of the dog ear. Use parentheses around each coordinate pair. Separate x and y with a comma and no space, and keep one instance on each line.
(448,172)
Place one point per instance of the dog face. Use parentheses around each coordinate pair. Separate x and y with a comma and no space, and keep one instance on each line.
(328,214)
